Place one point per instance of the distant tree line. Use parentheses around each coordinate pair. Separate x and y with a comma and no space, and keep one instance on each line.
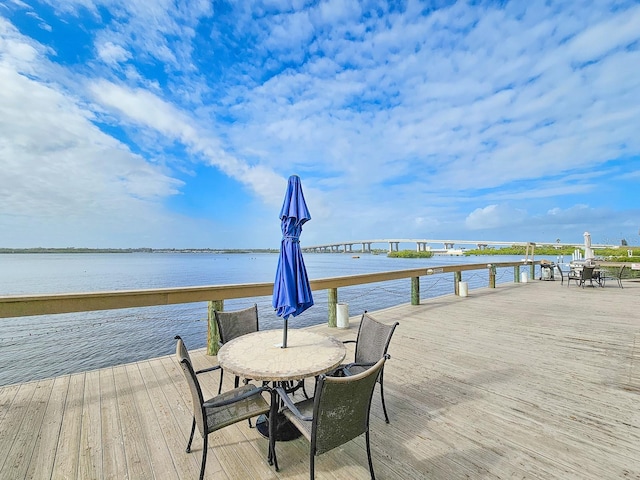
(410,254)
(614,254)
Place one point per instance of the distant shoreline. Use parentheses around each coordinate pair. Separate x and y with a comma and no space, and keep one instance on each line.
(137,250)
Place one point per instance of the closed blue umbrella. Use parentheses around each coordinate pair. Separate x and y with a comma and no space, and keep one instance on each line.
(291,289)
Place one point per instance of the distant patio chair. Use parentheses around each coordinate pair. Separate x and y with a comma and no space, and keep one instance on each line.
(338,413)
(605,275)
(581,276)
(234,324)
(372,344)
(561,274)
(221,411)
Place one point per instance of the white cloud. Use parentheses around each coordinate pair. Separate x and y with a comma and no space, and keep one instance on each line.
(57,167)
(112,54)
(17,51)
(614,33)
(58,154)
(147,110)
(494,216)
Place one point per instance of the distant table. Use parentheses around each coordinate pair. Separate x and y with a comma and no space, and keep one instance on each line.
(259,356)
(576,273)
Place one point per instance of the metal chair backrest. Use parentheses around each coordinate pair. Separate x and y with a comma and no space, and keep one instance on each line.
(197,399)
(587,273)
(236,323)
(341,408)
(373,339)
(181,350)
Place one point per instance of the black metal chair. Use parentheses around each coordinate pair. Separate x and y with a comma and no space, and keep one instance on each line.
(581,276)
(573,274)
(372,343)
(561,273)
(605,275)
(185,354)
(234,324)
(338,413)
(221,411)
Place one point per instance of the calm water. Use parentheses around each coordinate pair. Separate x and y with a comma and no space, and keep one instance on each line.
(40,347)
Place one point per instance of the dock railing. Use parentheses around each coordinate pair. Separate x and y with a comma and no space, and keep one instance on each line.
(45,304)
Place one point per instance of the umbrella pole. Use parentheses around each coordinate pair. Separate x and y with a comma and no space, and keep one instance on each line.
(284,333)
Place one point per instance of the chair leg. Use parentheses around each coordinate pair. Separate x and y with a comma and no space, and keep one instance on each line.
(373,476)
(220,386)
(193,429)
(312,465)
(384,406)
(204,456)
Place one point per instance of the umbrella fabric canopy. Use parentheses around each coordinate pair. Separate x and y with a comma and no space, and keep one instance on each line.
(291,289)
(588,251)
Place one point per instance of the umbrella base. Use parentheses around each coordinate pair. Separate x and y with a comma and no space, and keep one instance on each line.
(285,430)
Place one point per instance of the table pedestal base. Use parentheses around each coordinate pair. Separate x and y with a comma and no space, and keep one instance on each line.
(285,430)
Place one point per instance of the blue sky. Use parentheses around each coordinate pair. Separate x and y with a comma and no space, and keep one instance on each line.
(142,123)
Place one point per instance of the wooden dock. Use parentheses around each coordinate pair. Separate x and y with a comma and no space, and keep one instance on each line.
(534,380)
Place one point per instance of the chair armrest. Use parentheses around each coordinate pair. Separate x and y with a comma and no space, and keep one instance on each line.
(221,403)
(290,405)
(210,369)
(346,368)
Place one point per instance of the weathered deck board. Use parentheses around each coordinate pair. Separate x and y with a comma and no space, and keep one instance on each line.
(533,380)
(113,457)
(90,463)
(41,462)
(65,463)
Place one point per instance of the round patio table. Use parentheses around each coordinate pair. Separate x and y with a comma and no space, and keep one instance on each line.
(260,356)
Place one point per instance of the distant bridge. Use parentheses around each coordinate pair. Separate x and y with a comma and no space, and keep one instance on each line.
(425,245)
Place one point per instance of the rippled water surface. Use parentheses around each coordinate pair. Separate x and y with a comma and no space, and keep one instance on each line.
(44,346)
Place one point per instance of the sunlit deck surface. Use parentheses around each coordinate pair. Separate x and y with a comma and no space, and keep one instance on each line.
(532,380)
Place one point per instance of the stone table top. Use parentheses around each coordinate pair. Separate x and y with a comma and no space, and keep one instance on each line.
(259,355)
